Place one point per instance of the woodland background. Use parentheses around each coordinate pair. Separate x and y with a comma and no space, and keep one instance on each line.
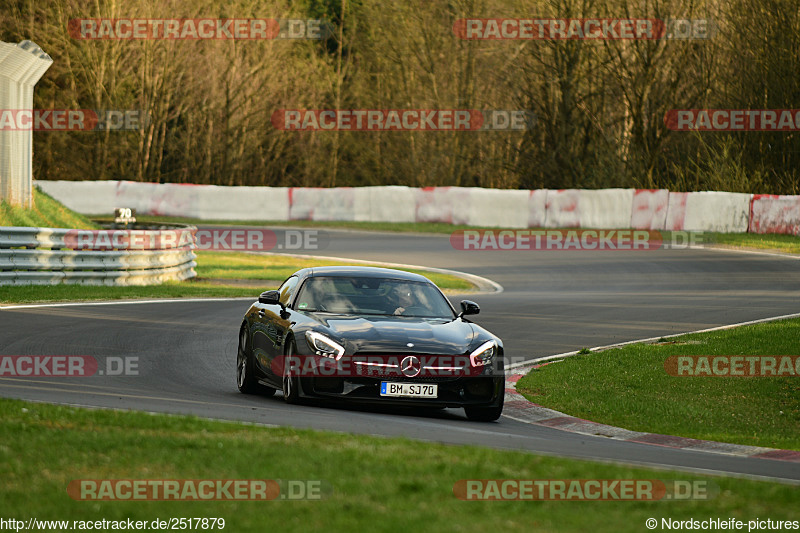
(600,105)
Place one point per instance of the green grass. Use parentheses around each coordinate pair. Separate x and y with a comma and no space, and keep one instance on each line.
(264,272)
(46,213)
(786,243)
(629,387)
(214,268)
(172,289)
(781,243)
(235,265)
(406,227)
(372,487)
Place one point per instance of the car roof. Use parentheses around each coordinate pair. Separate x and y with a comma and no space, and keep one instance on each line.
(361,271)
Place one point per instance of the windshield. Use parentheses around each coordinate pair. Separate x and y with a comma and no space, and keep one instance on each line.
(372,296)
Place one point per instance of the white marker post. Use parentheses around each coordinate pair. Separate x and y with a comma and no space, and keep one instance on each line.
(21,66)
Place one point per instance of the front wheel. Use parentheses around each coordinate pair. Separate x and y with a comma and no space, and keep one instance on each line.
(291,384)
(245,375)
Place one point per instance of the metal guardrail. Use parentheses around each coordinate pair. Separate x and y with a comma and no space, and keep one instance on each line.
(118,239)
(46,256)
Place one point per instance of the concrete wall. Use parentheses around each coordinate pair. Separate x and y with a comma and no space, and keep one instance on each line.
(567,208)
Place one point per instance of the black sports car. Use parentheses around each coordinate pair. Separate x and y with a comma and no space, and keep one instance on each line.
(370,335)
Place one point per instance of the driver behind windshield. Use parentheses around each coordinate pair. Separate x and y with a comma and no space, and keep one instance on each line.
(401,298)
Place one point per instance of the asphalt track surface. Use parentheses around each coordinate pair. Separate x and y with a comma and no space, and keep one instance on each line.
(553,302)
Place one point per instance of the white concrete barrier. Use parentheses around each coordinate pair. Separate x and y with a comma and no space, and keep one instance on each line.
(563,208)
(334,204)
(317,203)
(313,203)
(441,204)
(208,202)
(726,212)
(88,197)
(385,204)
(172,199)
(503,208)
(605,208)
(676,211)
(212,202)
(775,214)
(460,199)
(302,201)
(649,209)
(169,199)
(537,208)
(140,196)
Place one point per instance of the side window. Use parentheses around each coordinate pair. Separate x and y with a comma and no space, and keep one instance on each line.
(287,289)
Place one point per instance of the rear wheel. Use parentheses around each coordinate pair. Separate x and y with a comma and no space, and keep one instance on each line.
(291,384)
(245,374)
(484,414)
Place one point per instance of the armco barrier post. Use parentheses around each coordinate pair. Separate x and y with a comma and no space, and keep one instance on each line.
(21,66)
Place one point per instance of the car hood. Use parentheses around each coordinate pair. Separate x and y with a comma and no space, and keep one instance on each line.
(382,334)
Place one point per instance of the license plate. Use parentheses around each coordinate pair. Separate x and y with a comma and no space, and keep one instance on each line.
(410,390)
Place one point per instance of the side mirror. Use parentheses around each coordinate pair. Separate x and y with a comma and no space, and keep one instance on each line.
(270,298)
(469,307)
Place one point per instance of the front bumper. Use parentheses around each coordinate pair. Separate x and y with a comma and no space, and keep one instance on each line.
(358,378)
(456,392)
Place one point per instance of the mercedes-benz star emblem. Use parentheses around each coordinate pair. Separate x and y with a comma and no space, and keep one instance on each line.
(410,366)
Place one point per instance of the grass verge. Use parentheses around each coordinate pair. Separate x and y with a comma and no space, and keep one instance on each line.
(46,213)
(234,265)
(226,269)
(173,289)
(220,274)
(782,243)
(403,227)
(369,483)
(628,387)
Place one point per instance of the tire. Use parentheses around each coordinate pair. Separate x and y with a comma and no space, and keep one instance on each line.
(484,414)
(245,373)
(291,384)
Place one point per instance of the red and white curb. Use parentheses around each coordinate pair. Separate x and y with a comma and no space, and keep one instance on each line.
(519,408)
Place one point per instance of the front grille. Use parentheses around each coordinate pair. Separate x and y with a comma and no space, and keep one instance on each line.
(435,368)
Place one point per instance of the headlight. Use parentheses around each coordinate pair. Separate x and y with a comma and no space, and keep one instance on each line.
(484,354)
(322,345)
